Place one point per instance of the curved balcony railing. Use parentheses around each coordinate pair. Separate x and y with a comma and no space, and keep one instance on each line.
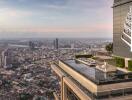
(127,32)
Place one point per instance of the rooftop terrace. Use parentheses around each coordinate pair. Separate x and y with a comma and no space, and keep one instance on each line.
(97,76)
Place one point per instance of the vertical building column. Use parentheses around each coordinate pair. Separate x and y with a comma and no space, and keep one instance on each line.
(126,62)
(64,91)
(61,88)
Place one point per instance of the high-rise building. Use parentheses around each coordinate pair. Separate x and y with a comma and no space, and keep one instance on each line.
(56,43)
(80,81)
(31,45)
(122,29)
(6,59)
(72,46)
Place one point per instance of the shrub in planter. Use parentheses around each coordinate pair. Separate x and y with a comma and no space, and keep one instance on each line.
(130,65)
(120,62)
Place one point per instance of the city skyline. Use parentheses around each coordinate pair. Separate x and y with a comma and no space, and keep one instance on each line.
(65,49)
(55,18)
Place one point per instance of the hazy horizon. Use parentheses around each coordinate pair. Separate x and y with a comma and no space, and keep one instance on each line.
(54,35)
(56,18)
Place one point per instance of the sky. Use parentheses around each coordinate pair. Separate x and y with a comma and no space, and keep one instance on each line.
(56,18)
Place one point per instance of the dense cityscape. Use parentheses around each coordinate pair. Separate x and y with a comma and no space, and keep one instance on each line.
(65,50)
(25,71)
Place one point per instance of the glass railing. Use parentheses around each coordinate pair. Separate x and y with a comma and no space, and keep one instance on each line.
(105,94)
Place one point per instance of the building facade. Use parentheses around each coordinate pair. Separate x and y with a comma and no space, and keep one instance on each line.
(122,28)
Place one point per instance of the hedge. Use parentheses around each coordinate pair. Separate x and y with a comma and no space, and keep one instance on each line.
(83,56)
(120,62)
(25,96)
(130,65)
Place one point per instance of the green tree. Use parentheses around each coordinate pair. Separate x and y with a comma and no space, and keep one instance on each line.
(109,47)
(25,96)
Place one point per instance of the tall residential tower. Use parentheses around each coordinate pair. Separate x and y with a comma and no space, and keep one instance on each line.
(122,29)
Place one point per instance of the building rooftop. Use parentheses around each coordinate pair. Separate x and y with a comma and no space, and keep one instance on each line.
(98,76)
(120,2)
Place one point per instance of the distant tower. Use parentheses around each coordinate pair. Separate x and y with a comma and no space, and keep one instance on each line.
(6,59)
(31,45)
(3,58)
(72,46)
(56,43)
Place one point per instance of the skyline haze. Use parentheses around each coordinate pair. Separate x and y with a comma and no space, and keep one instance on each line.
(56,18)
